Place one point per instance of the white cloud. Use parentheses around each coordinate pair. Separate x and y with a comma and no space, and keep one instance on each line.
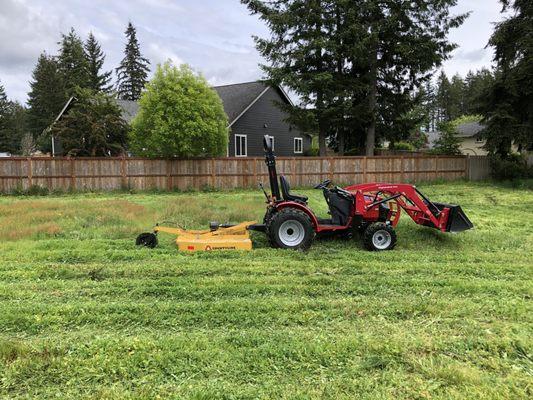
(213,36)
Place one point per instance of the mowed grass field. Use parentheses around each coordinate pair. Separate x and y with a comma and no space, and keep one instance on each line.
(84,314)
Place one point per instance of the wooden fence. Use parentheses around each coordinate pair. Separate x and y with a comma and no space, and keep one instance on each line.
(103,174)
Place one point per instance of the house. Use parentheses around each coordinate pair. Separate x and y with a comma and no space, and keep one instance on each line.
(252,113)
(471,144)
(467,133)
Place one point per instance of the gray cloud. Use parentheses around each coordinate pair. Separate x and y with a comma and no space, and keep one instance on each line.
(214,36)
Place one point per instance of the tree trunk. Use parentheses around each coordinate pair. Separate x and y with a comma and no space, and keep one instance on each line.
(322,125)
(372,103)
(342,142)
(322,129)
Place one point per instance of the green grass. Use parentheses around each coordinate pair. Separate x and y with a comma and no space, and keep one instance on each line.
(86,315)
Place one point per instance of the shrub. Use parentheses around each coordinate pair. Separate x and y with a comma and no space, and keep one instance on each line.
(180,116)
(403,146)
(511,168)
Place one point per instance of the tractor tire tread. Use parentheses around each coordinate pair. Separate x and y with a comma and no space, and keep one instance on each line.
(284,215)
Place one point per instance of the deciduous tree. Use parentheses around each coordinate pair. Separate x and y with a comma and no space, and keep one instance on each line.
(180,116)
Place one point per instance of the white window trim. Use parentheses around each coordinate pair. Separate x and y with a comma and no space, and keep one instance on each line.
(245,147)
(301,140)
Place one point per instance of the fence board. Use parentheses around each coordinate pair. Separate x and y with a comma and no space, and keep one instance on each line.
(105,174)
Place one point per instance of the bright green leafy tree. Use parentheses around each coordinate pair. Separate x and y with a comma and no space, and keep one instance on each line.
(180,116)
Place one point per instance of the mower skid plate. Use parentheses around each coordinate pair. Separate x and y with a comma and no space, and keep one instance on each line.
(457,219)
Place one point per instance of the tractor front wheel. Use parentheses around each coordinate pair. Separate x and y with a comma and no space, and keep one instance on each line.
(379,237)
(290,229)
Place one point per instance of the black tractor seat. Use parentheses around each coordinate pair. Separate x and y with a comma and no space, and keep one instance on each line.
(286,192)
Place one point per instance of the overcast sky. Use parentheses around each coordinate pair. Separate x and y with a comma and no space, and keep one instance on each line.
(214,36)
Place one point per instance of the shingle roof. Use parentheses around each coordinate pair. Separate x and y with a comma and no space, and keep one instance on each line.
(239,96)
(469,129)
(235,98)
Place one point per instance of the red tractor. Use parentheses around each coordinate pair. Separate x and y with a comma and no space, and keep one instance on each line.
(374,209)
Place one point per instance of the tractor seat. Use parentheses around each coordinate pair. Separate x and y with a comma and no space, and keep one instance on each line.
(286,192)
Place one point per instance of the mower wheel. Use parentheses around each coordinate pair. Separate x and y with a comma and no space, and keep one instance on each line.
(290,229)
(147,240)
(379,237)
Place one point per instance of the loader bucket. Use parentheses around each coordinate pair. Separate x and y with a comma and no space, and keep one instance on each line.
(457,219)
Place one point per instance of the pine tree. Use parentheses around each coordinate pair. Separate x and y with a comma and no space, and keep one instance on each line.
(99,80)
(363,58)
(12,124)
(4,120)
(508,104)
(46,98)
(443,98)
(73,63)
(133,70)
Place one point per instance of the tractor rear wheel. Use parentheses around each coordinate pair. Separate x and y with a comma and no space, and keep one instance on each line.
(379,237)
(290,229)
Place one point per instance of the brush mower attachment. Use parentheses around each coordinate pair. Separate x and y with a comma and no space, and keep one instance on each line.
(218,237)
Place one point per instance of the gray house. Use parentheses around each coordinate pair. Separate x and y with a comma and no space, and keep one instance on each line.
(252,113)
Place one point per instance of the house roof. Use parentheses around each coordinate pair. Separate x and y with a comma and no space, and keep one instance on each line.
(469,129)
(236,98)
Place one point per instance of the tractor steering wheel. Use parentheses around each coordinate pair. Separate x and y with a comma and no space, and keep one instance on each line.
(323,185)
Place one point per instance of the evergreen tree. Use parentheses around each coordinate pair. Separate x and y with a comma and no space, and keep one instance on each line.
(93,127)
(47,97)
(443,98)
(73,63)
(99,80)
(12,124)
(508,104)
(457,106)
(476,84)
(133,70)
(354,62)
(4,120)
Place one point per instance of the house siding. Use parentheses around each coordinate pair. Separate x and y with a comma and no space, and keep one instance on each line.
(252,124)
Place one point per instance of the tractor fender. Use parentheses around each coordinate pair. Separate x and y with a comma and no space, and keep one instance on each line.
(301,207)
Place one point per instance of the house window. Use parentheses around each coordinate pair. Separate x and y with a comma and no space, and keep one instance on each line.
(298,145)
(271,138)
(241,146)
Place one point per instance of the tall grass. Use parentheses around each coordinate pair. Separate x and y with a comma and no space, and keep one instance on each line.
(86,315)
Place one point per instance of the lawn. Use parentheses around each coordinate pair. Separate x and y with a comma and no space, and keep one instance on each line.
(86,315)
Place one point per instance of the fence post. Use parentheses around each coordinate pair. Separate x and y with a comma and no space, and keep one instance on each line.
(72,174)
(436,167)
(293,169)
(123,181)
(402,169)
(331,168)
(169,174)
(30,172)
(365,166)
(467,167)
(213,175)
